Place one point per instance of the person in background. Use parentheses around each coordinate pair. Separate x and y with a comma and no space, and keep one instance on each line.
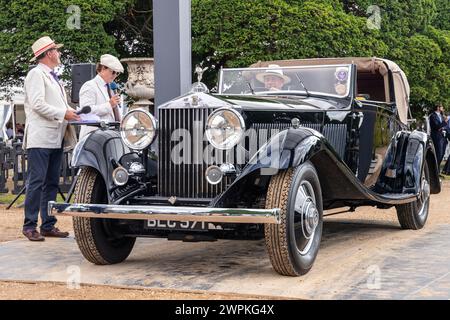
(47,114)
(9,131)
(438,122)
(20,130)
(446,169)
(97,93)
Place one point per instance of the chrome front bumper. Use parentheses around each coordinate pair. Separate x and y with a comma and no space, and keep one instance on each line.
(226,215)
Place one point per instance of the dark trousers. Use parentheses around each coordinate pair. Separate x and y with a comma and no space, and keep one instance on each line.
(440,143)
(44,167)
(446,169)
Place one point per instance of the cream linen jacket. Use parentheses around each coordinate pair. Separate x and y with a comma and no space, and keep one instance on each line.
(45,108)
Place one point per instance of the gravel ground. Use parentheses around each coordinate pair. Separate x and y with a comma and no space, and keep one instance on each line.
(57,291)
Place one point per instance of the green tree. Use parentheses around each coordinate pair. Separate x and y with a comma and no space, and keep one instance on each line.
(442,18)
(420,49)
(402,17)
(22,22)
(133,30)
(236,33)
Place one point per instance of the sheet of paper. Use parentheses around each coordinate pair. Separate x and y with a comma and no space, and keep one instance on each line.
(89,117)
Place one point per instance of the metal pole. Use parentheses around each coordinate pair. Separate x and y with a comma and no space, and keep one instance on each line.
(172,48)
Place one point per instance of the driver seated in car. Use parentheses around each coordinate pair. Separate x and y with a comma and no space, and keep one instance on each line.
(273,78)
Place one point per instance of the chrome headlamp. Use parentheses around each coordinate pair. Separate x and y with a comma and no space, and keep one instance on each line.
(225,128)
(138,129)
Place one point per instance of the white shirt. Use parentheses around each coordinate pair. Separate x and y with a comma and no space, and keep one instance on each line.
(46,68)
(94,93)
(9,133)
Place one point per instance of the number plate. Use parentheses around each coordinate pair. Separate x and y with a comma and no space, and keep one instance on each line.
(180,225)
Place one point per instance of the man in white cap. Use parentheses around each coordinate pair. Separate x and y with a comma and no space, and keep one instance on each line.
(47,114)
(273,78)
(97,93)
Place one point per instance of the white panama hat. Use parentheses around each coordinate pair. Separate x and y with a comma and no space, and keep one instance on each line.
(43,44)
(273,70)
(111,62)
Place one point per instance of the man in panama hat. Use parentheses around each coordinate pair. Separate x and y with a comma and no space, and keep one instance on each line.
(273,78)
(47,115)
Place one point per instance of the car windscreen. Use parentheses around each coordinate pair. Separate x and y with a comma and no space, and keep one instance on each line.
(318,80)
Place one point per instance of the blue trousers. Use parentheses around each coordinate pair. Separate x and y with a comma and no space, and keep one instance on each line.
(44,167)
(440,144)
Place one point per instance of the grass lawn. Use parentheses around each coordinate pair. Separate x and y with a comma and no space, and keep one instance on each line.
(6,198)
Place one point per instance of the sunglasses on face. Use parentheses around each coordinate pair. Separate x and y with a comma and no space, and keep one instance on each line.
(114,73)
(54,49)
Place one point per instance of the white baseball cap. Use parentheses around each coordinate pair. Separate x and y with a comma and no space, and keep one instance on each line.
(111,62)
(43,44)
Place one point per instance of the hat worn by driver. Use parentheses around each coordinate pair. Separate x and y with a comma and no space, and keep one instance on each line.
(111,62)
(273,70)
(42,45)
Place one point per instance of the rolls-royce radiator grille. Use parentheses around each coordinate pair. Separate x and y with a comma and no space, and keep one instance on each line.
(185,154)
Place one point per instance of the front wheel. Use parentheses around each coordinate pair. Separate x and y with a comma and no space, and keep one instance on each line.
(413,215)
(293,245)
(99,240)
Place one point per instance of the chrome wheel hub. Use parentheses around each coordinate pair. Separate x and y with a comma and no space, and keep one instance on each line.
(310,217)
(425,189)
(306,217)
(424,196)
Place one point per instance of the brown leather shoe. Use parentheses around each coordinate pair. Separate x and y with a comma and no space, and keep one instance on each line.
(33,235)
(55,233)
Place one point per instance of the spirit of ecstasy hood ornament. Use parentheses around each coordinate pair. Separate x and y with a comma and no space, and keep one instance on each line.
(199,71)
(199,86)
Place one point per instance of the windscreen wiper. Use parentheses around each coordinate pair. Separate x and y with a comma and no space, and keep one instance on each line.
(250,86)
(303,85)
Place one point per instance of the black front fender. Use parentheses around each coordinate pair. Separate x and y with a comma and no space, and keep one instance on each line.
(100,150)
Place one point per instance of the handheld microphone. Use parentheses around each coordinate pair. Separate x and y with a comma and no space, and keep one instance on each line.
(84,110)
(114,87)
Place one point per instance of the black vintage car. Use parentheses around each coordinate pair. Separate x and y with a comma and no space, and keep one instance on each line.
(278,144)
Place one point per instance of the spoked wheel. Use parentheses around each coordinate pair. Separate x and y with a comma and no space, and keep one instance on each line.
(414,215)
(293,245)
